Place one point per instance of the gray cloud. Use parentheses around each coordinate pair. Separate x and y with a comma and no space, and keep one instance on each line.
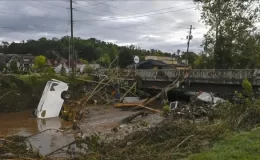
(119,22)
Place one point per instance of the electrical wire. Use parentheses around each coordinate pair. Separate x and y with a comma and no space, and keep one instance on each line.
(112,18)
(68,20)
(18,28)
(127,17)
(57,19)
(50,4)
(116,29)
(89,20)
(135,12)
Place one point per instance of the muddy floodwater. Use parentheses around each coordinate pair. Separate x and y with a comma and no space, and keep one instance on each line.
(99,121)
(24,124)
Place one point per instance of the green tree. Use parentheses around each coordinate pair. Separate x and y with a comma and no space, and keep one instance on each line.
(13,66)
(104,60)
(2,66)
(39,62)
(191,56)
(83,61)
(88,49)
(125,57)
(231,26)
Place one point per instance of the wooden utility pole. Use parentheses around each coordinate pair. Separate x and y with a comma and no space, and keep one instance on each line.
(189,37)
(71,36)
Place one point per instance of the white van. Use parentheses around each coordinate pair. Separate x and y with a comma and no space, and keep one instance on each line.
(52,99)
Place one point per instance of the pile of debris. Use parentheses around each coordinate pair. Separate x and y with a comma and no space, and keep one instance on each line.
(202,105)
(110,89)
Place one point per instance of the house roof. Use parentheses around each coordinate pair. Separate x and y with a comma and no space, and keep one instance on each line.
(154,62)
(181,65)
(73,63)
(53,62)
(18,57)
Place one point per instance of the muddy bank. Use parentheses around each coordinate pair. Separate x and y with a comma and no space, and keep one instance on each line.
(15,148)
(17,100)
(19,93)
(47,135)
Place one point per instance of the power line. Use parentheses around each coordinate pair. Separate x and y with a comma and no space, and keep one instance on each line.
(132,11)
(67,20)
(42,29)
(66,1)
(94,8)
(118,8)
(127,17)
(142,23)
(116,29)
(17,28)
(94,4)
(164,8)
(148,11)
(83,21)
(57,19)
(50,4)
(67,25)
(116,18)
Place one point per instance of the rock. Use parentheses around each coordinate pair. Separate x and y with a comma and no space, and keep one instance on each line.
(2,140)
(115,129)
(128,143)
(205,144)
(8,155)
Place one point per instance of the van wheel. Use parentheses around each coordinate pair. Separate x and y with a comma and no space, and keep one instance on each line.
(65,95)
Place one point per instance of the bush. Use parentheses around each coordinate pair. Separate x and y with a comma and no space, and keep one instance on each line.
(243,113)
(166,110)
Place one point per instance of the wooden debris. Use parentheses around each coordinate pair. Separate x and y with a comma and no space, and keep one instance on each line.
(130,118)
(134,104)
(146,102)
(134,85)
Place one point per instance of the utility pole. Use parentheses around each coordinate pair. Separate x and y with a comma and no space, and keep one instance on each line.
(71,35)
(189,37)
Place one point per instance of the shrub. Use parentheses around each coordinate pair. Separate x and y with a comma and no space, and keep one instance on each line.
(243,113)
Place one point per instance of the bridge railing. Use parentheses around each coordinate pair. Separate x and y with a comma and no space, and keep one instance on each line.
(234,76)
(195,73)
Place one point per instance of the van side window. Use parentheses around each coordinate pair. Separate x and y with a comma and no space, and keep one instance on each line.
(52,86)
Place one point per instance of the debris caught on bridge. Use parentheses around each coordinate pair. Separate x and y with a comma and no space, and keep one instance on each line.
(210,98)
(146,102)
(201,105)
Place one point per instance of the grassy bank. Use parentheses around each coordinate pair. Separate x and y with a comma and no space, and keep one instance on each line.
(242,146)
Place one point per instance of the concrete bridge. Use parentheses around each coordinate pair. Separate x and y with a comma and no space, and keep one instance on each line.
(225,80)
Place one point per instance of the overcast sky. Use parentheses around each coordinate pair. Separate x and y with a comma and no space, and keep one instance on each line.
(149,24)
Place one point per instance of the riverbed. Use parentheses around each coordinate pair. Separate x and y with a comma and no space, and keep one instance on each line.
(45,136)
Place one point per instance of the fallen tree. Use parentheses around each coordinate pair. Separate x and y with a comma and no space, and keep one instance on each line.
(162,94)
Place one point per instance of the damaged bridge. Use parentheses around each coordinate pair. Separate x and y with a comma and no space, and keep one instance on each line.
(226,80)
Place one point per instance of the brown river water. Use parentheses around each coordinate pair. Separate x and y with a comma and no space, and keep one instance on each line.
(100,121)
(24,124)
